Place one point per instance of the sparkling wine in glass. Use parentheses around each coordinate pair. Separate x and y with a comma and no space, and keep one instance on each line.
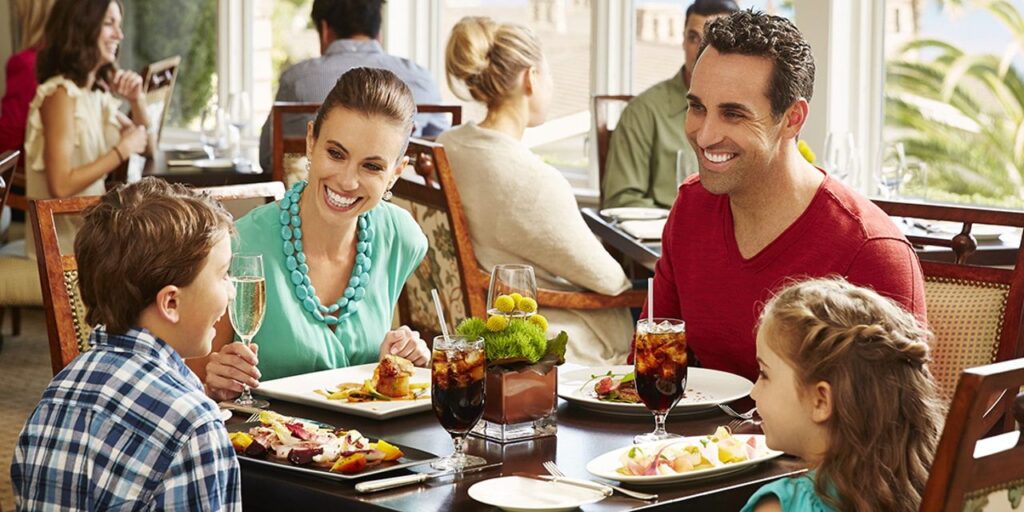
(457,393)
(660,366)
(517,281)
(247,308)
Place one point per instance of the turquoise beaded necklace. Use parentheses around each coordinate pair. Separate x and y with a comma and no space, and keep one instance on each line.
(295,262)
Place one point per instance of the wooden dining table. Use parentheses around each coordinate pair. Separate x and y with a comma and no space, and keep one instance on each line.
(157,165)
(582,435)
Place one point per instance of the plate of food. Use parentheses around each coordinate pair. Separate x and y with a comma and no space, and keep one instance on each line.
(315,448)
(611,389)
(634,213)
(390,388)
(684,459)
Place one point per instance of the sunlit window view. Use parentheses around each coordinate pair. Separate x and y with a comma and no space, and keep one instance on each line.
(954,102)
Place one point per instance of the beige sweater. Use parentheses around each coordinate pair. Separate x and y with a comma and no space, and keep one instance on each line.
(522,210)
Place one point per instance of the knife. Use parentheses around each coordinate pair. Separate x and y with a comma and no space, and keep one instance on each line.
(398,481)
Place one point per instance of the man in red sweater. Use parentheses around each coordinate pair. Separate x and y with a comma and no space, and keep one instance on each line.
(758,214)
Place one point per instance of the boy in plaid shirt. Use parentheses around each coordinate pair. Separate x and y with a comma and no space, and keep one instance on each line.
(127,425)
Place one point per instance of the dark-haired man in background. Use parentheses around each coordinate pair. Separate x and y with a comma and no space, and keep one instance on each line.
(757,214)
(348,32)
(641,166)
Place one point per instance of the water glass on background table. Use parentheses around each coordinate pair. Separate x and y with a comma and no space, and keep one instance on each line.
(892,170)
(247,308)
(240,113)
(457,393)
(660,366)
(840,158)
(213,131)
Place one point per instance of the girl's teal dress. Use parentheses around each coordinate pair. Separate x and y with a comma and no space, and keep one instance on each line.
(794,494)
(291,341)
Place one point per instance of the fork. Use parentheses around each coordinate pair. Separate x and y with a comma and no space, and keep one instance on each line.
(253,417)
(749,415)
(734,425)
(554,471)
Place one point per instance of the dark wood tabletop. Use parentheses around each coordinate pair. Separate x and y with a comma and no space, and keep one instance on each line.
(195,176)
(1002,251)
(582,436)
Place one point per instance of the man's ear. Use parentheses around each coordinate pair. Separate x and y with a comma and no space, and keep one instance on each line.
(168,303)
(821,402)
(794,118)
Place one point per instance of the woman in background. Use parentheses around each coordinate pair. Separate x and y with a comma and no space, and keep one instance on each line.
(521,209)
(75,134)
(21,74)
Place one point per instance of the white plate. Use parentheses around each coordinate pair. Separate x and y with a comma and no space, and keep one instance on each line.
(644,229)
(634,213)
(302,389)
(215,163)
(705,389)
(225,415)
(516,493)
(605,466)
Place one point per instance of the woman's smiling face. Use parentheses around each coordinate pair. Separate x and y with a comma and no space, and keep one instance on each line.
(353,161)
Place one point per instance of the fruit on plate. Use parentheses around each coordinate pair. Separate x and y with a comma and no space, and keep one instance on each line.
(352,464)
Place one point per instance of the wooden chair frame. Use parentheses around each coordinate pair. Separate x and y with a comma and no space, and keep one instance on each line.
(282,145)
(158,75)
(429,159)
(604,135)
(955,471)
(52,264)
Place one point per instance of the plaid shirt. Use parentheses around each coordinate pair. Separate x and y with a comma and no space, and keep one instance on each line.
(125,426)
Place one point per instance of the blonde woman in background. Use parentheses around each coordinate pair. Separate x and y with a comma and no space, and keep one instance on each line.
(521,209)
(21,73)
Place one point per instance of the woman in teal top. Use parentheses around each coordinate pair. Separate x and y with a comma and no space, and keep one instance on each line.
(335,256)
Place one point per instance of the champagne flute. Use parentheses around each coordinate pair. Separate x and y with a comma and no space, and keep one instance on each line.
(247,308)
(457,393)
(660,369)
(517,281)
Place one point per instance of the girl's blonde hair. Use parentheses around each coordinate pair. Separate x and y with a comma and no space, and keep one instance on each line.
(33,21)
(886,419)
(485,58)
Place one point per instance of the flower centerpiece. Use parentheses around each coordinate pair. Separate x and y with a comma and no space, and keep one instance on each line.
(521,382)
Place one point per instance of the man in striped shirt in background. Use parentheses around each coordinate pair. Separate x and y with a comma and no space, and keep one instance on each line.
(127,425)
(348,32)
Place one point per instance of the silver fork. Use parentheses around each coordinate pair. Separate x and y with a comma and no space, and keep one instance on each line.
(554,471)
(735,425)
(253,417)
(749,415)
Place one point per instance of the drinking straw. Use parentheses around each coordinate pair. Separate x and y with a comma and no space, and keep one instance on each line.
(650,302)
(440,314)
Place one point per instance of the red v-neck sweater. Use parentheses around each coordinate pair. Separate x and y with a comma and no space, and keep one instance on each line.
(702,278)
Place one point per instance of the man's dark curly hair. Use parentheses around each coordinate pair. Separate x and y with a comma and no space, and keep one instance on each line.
(758,34)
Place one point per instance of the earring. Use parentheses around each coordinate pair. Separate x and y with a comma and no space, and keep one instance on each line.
(387,195)
(307,165)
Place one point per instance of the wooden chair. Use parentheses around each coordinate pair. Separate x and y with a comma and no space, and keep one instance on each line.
(16,272)
(450,266)
(62,302)
(974,311)
(971,471)
(602,104)
(158,83)
(288,152)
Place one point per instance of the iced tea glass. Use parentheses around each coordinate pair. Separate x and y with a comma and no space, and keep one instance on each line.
(457,393)
(660,363)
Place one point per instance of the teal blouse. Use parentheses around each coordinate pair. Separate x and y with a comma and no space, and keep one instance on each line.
(794,494)
(291,341)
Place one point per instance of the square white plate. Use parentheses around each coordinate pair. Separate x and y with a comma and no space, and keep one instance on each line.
(302,389)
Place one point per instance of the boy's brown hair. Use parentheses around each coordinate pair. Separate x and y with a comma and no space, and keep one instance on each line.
(139,239)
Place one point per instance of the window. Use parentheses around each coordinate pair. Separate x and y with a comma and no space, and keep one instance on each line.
(157,30)
(954,99)
(563,27)
(283,35)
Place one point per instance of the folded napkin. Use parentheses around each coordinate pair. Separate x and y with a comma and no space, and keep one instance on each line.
(644,229)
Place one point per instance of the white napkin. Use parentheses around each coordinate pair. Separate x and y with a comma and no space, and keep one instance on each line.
(644,229)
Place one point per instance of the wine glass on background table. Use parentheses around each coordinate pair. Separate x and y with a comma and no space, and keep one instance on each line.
(517,281)
(247,308)
(840,155)
(240,112)
(660,368)
(457,393)
(213,132)
(892,171)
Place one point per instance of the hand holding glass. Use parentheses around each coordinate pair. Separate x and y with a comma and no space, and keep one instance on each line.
(247,308)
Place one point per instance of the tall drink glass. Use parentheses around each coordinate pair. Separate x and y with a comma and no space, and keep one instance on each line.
(457,393)
(660,364)
(247,308)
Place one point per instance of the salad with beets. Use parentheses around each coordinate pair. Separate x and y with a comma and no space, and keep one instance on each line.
(690,454)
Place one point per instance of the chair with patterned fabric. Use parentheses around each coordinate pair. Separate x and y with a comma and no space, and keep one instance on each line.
(972,472)
(428,192)
(58,273)
(974,311)
(288,152)
(602,118)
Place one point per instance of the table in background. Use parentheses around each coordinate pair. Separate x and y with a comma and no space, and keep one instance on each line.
(190,175)
(582,436)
